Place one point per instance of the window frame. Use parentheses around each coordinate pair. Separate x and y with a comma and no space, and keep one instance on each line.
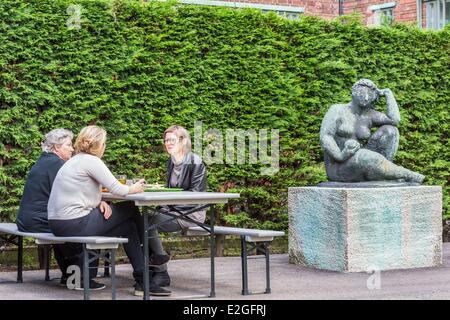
(288,12)
(380,10)
(437,13)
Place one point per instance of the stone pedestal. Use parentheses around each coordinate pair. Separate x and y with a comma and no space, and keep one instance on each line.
(365,229)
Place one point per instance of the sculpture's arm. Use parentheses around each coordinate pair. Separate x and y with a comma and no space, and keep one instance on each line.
(331,148)
(392,115)
(328,143)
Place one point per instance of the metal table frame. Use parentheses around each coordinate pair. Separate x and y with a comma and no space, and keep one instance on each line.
(202,199)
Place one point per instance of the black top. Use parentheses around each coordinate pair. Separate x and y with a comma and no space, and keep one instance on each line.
(32,215)
(191,178)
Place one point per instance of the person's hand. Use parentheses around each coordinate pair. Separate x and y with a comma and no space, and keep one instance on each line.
(105,209)
(137,187)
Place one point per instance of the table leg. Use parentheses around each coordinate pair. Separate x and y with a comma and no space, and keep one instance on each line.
(85,272)
(19,259)
(213,251)
(112,258)
(146,258)
(244,266)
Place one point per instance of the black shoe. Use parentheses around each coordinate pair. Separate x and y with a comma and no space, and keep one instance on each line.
(154,290)
(63,281)
(158,259)
(161,278)
(93,285)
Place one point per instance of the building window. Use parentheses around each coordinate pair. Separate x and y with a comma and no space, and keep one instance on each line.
(383,14)
(437,13)
(384,17)
(288,12)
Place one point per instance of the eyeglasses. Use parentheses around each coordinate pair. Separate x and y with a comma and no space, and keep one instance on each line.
(172,140)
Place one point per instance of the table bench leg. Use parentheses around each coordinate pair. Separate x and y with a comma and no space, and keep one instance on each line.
(47,258)
(19,259)
(244,266)
(266,252)
(112,259)
(106,269)
(85,272)
(212,240)
(109,257)
(146,274)
(261,247)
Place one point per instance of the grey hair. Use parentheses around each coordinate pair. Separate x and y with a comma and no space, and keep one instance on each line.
(54,138)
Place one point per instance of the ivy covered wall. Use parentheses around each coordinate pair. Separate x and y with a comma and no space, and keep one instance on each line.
(136,68)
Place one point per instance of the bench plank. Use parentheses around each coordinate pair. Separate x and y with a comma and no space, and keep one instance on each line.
(251,233)
(50,238)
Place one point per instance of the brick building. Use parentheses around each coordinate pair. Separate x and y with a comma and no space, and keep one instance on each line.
(427,14)
(431,14)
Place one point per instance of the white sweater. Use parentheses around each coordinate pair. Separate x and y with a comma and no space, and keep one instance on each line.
(77,187)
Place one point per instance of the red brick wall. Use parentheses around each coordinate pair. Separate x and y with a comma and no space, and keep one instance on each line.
(405,10)
(325,8)
(424,15)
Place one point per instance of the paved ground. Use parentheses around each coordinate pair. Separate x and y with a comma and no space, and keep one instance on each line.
(191,277)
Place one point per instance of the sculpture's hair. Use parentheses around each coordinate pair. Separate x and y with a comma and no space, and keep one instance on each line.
(366,83)
(90,140)
(182,133)
(54,138)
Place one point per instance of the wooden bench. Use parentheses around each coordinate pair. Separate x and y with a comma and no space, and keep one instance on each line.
(250,239)
(91,246)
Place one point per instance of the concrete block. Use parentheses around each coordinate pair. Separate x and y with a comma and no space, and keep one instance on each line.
(364,229)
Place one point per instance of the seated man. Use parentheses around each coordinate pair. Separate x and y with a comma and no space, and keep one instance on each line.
(57,148)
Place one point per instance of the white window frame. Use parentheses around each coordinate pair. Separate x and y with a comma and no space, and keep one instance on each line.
(437,14)
(382,10)
(286,11)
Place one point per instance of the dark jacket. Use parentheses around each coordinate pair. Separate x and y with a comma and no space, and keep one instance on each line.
(32,215)
(192,178)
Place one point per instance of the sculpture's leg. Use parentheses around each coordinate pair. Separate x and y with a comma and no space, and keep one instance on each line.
(377,168)
(385,141)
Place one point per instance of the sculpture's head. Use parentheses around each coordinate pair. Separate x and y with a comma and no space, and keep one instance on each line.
(365,93)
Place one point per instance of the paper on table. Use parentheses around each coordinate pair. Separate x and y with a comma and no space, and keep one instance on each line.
(154,186)
(159,187)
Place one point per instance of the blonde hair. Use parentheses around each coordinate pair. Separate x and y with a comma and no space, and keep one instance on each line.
(182,133)
(90,140)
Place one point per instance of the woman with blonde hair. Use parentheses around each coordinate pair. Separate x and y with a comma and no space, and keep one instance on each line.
(75,207)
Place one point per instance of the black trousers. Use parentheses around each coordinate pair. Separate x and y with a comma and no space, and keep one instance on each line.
(69,254)
(125,221)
